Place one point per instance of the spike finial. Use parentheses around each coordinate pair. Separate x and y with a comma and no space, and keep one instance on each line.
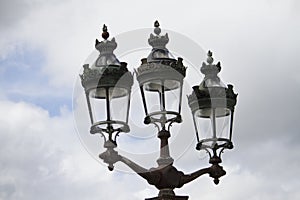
(105,34)
(157,30)
(209,59)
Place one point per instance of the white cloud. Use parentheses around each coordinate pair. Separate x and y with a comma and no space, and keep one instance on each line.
(41,158)
(66,30)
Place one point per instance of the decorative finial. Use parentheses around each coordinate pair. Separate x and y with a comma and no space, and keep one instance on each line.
(105,34)
(209,59)
(157,30)
(106,48)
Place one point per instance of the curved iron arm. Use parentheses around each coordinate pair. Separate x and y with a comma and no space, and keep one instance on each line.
(111,156)
(165,176)
(135,167)
(215,171)
(151,175)
(186,178)
(169,177)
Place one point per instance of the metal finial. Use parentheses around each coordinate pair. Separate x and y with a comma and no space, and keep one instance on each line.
(209,53)
(157,30)
(104,29)
(105,34)
(209,59)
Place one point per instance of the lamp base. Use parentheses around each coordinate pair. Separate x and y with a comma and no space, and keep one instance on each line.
(169,197)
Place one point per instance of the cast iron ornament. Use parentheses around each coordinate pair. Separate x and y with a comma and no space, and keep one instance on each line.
(158,65)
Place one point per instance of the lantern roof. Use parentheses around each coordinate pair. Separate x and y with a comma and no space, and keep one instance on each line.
(160,64)
(212,92)
(211,70)
(107,70)
(106,48)
(158,42)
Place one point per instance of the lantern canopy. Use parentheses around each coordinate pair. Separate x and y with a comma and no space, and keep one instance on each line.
(160,77)
(212,104)
(107,84)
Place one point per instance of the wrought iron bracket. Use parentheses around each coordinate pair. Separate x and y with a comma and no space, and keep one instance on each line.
(165,177)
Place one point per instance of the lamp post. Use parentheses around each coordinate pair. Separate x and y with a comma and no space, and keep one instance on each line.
(107,84)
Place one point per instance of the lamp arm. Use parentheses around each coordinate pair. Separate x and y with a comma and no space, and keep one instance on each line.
(186,178)
(215,171)
(151,176)
(134,166)
(111,156)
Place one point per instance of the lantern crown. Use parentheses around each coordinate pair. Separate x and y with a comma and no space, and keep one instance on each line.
(157,40)
(106,48)
(209,68)
(158,43)
(160,63)
(107,70)
(211,71)
(212,92)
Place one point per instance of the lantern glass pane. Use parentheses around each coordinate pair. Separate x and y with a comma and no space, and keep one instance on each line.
(162,95)
(223,122)
(98,105)
(152,95)
(118,103)
(172,95)
(204,127)
(159,54)
(214,82)
(213,123)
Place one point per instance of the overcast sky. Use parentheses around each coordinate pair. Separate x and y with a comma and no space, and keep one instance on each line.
(45,154)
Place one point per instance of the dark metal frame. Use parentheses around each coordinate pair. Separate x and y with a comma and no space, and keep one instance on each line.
(163,70)
(165,176)
(213,98)
(105,78)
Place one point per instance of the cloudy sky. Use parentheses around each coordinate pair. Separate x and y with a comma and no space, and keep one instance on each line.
(45,154)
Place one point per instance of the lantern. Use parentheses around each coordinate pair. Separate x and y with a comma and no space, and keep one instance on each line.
(212,104)
(160,77)
(107,84)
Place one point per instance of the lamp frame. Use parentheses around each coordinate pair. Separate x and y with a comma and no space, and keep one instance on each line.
(165,177)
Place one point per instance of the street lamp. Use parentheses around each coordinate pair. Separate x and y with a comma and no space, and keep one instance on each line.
(107,84)
(212,105)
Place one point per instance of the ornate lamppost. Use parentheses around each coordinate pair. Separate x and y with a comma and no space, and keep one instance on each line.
(107,84)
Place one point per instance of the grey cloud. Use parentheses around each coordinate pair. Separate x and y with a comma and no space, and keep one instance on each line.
(7,190)
(12,11)
(41,158)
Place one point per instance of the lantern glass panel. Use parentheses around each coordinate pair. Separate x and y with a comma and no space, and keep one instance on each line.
(173,97)
(152,95)
(119,104)
(211,82)
(110,103)
(162,95)
(97,107)
(213,123)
